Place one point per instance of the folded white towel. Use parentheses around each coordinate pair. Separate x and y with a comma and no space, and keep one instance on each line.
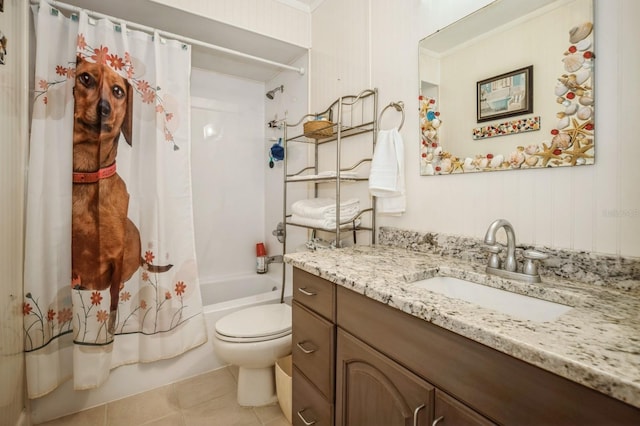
(343,175)
(325,208)
(328,224)
(326,174)
(386,178)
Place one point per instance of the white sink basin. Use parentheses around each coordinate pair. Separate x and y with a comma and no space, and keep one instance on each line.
(516,305)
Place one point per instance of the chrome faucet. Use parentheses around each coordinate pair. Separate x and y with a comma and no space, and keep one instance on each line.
(490,240)
(509,268)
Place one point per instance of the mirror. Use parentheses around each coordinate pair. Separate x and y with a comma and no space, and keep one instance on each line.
(509,87)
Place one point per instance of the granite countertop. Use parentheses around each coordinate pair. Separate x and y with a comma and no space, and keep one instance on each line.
(597,343)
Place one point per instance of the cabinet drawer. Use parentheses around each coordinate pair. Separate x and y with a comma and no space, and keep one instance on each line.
(308,404)
(313,348)
(315,293)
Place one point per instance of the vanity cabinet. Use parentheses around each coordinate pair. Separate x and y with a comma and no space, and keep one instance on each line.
(473,380)
(313,350)
(388,365)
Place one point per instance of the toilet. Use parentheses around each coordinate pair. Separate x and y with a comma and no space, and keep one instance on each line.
(253,339)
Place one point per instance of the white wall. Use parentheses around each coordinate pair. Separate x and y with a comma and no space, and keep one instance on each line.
(374,43)
(268,17)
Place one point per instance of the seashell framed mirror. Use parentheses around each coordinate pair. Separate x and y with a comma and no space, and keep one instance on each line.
(552,38)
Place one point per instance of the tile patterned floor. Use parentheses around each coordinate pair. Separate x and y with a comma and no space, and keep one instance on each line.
(208,399)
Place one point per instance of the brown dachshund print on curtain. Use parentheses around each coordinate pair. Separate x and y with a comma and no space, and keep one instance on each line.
(106,249)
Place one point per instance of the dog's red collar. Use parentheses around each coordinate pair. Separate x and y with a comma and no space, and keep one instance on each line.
(93,177)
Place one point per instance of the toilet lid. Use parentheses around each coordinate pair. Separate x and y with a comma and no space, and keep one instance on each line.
(263,322)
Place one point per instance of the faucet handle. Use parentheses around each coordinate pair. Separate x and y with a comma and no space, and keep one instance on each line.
(494,259)
(529,267)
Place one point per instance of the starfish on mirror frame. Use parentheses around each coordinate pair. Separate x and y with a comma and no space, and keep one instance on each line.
(547,153)
(456,164)
(579,151)
(578,129)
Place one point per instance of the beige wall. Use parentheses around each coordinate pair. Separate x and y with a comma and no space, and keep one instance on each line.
(13,140)
(374,43)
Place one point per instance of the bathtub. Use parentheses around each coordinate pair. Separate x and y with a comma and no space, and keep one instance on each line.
(219,298)
(227,294)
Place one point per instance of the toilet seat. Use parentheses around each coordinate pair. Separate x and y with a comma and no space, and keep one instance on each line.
(255,324)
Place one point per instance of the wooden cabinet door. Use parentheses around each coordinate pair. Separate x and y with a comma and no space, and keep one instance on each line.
(373,390)
(451,412)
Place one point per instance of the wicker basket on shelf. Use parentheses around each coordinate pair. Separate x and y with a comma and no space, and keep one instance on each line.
(318,129)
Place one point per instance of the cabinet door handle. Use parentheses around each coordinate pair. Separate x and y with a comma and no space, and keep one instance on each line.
(303,349)
(438,420)
(305,421)
(305,292)
(415,414)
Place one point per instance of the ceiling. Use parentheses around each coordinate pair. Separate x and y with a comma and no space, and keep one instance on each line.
(185,24)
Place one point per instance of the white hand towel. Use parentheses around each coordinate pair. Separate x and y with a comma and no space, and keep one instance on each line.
(386,178)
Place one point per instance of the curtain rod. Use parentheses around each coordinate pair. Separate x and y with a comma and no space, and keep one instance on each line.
(166,34)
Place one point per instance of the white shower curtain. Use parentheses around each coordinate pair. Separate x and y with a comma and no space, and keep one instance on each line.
(76,325)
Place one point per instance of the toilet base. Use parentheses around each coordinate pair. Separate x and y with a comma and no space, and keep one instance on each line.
(256,386)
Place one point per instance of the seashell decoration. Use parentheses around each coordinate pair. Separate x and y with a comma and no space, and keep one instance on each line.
(573,62)
(516,159)
(561,89)
(496,161)
(563,123)
(561,140)
(428,169)
(446,165)
(583,45)
(582,75)
(531,161)
(580,32)
(532,149)
(584,113)
(586,100)
(571,109)
(468,164)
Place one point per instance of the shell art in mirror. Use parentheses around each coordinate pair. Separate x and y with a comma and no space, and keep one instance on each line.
(557,131)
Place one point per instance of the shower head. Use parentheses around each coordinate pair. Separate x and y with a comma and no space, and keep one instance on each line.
(271,93)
